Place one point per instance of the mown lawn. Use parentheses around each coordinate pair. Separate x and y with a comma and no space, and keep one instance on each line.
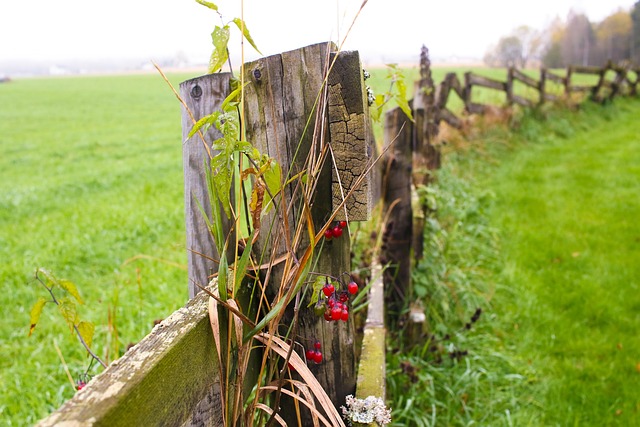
(567,208)
(537,225)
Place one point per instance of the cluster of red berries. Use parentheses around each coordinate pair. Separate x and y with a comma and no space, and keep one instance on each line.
(314,354)
(82,381)
(336,307)
(335,231)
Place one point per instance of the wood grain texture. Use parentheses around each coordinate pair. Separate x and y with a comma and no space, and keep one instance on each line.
(203,96)
(168,378)
(351,137)
(397,236)
(446,115)
(282,107)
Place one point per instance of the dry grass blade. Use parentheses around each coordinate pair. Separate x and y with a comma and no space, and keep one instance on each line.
(269,411)
(225,304)
(307,401)
(282,348)
(237,321)
(307,394)
(215,329)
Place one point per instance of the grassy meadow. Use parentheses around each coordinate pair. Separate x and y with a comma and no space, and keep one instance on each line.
(536,227)
(567,207)
(90,179)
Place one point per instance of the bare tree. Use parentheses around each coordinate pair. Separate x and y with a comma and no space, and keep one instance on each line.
(521,46)
(578,40)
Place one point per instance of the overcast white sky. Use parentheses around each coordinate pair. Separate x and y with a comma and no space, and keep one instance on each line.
(59,30)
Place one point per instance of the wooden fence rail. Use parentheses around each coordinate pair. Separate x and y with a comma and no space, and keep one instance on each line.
(625,82)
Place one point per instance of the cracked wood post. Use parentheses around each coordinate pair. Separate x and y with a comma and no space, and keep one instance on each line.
(283,98)
(202,96)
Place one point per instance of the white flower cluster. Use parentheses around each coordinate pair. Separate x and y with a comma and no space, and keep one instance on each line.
(367,410)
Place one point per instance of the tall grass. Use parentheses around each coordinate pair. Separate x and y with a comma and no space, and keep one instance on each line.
(460,372)
(534,225)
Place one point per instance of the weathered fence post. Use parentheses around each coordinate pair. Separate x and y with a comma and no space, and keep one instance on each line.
(426,156)
(542,86)
(202,96)
(295,111)
(397,236)
(510,86)
(567,83)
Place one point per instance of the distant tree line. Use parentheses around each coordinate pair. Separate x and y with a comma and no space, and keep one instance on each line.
(574,41)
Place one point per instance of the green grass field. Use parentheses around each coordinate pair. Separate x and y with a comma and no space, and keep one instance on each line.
(567,206)
(563,202)
(91,176)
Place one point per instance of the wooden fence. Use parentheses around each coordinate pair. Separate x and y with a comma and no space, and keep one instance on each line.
(171,377)
(612,80)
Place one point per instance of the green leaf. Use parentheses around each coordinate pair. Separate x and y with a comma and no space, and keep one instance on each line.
(208,4)
(318,284)
(223,275)
(220,37)
(242,26)
(86,330)
(68,286)
(233,96)
(215,225)
(51,279)
(204,121)
(401,98)
(36,311)
(221,182)
(273,178)
(67,308)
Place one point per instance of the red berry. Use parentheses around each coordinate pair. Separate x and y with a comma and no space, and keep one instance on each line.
(327,315)
(342,224)
(337,231)
(310,354)
(317,356)
(352,287)
(317,345)
(328,234)
(80,385)
(331,302)
(328,289)
(336,313)
(344,297)
(344,315)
